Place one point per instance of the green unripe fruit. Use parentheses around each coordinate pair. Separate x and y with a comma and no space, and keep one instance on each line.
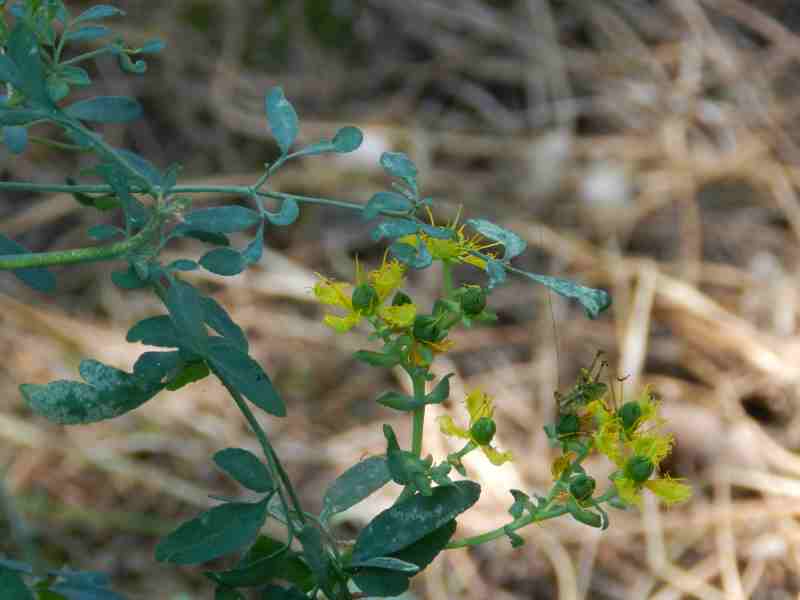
(630,413)
(401,298)
(568,424)
(365,298)
(582,487)
(483,430)
(639,468)
(426,329)
(473,301)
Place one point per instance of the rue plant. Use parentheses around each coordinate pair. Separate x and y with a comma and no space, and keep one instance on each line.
(40,64)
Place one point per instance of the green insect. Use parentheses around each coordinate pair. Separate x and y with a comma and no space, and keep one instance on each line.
(588,388)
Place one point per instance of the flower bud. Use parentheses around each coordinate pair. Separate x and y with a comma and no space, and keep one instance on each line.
(401,298)
(630,412)
(568,424)
(473,301)
(365,298)
(426,329)
(582,487)
(483,430)
(639,469)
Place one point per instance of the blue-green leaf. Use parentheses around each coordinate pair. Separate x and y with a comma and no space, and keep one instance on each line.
(514,245)
(155,331)
(347,139)
(594,301)
(497,273)
(282,119)
(316,557)
(108,393)
(223,261)
(383,201)
(397,401)
(286,215)
(245,467)
(187,312)
(152,47)
(215,239)
(276,592)
(105,109)
(15,139)
(23,50)
(221,219)
(8,70)
(412,519)
(95,13)
(21,116)
(254,250)
(214,533)
(440,233)
(225,593)
(84,586)
(416,257)
(154,367)
(142,166)
(220,321)
(135,212)
(13,586)
(182,264)
(239,371)
(399,165)
(74,75)
(387,563)
(37,278)
(189,373)
(89,32)
(441,392)
(393,228)
(104,232)
(354,485)
(266,560)
(381,583)
(128,279)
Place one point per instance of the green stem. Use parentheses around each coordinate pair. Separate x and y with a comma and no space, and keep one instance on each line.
(447,278)
(86,56)
(519,523)
(419,415)
(80,255)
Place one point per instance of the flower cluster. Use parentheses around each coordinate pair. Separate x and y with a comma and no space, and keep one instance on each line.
(632,438)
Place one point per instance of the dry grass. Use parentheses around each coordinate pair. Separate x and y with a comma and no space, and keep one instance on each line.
(649,148)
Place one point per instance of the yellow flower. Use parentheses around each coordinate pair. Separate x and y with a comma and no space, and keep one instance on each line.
(384,280)
(637,447)
(479,405)
(458,249)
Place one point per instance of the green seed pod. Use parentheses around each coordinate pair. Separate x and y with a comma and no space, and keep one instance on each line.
(568,424)
(365,298)
(483,430)
(426,329)
(582,487)
(473,301)
(630,413)
(401,298)
(639,468)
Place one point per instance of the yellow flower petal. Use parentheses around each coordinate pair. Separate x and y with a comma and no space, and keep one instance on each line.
(670,491)
(606,440)
(411,240)
(474,261)
(398,316)
(561,463)
(496,457)
(479,404)
(628,491)
(387,278)
(654,446)
(342,324)
(448,427)
(334,293)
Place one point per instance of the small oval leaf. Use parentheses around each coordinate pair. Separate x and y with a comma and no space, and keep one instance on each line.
(223,261)
(244,467)
(355,484)
(282,119)
(105,109)
(347,139)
